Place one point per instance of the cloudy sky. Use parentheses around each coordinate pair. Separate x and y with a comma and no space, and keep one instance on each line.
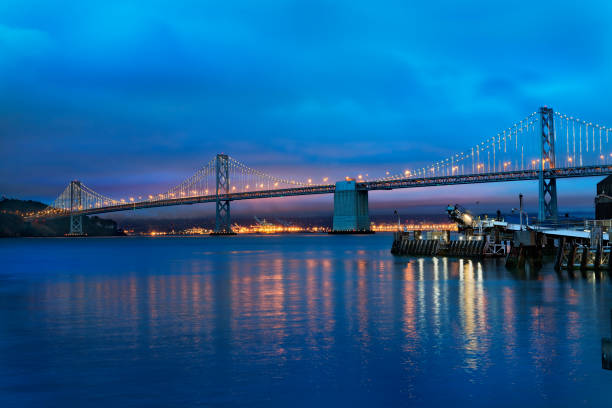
(131,97)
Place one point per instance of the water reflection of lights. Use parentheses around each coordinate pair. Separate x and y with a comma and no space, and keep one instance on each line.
(328,299)
(472,306)
(421,291)
(258,308)
(362,303)
(409,320)
(436,295)
(508,304)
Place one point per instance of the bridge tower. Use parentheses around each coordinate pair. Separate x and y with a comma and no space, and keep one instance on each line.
(222,216)
(547,197)
(351,213)
(76,202)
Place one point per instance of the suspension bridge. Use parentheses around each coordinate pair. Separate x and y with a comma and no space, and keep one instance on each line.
(544,146)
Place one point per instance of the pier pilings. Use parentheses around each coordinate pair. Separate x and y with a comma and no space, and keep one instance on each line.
(405,243)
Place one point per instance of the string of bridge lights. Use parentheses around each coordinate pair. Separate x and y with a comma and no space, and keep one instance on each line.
(455,164)
(189,184)
(77,196)
(569,129)
(576,142)
(246,170)
(529,152)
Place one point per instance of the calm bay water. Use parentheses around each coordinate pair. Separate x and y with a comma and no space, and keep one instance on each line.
(291,320)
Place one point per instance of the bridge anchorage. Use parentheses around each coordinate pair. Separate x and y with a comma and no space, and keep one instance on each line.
(544,146)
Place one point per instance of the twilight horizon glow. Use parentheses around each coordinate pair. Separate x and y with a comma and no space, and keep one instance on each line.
(132,98)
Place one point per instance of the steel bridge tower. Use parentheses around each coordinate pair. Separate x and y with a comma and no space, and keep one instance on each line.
(222,219)
(76,202)
(547,197)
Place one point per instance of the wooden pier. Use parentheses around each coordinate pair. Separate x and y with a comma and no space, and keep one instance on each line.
(405,243)
(572,249)
(576,256)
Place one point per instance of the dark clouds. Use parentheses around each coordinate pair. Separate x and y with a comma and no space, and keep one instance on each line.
(125,94)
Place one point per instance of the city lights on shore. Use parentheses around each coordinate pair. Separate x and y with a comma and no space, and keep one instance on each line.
(239,229)
(287,229)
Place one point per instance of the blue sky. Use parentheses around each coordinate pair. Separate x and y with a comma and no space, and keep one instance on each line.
(132,97)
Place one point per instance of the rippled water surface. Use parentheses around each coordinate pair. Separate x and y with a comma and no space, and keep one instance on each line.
(291,321)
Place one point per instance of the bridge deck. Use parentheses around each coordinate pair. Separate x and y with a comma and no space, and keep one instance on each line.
(390,184)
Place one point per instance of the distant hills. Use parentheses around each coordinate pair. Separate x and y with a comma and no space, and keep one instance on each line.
(12,223)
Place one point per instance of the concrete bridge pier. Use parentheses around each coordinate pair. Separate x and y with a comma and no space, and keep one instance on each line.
(351,214)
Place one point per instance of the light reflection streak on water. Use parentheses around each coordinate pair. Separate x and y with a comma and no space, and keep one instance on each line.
(328,318)
(436,296)
(311,304)
(473,312)
(544,335)
(509,323)
(410,328)
(362,304)
(420,282)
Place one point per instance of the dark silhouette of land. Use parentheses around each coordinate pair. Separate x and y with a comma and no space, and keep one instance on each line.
(12,223)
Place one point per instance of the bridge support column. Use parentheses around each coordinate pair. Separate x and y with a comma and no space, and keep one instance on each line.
(351,214)
(547,197)
(222,216)
(76,225)
(76,203)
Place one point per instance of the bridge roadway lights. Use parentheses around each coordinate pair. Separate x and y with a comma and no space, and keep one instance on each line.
(351,214)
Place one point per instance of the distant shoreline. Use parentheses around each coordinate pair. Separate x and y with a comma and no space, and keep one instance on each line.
(13,225)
